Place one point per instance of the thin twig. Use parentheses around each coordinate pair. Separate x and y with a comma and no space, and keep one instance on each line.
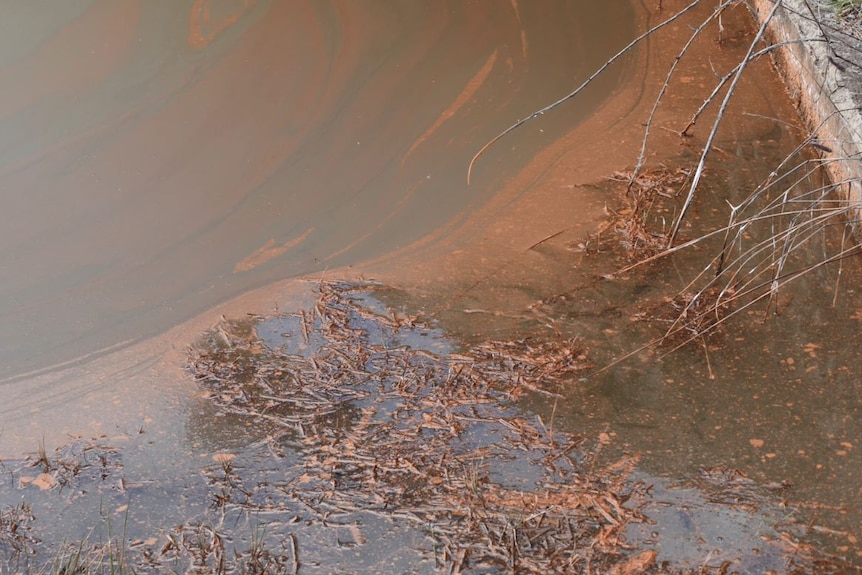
(666,84)
(712,134)
(580,88)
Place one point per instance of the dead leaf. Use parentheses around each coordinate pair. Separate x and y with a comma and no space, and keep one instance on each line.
(44,481)
(811,349)
(635,565)
(224,457)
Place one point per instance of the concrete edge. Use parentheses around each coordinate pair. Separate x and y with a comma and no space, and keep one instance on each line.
(819,89)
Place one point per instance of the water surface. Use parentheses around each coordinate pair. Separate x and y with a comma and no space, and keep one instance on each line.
(159,158)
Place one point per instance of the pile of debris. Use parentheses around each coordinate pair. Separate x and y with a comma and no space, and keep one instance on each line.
(389,428)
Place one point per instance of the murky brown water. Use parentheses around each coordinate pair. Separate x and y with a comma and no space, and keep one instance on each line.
(777,397)
(201,150)
(158,159)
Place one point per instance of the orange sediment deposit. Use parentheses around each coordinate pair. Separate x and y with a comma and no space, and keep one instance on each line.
(469,91)
(269,251)
(204,27)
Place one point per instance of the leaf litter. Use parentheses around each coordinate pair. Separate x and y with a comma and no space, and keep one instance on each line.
(375,444)
(367,424)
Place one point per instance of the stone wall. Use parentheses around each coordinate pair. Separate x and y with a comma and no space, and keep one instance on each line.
(821,69)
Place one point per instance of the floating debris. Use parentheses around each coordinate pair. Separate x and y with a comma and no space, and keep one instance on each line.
(16,537)
(366,425)
(642,221)
(373,444)
(422,437)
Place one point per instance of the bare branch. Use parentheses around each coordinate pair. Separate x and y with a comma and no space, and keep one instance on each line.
(580,88)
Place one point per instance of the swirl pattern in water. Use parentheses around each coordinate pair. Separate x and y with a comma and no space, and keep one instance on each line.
(157,158)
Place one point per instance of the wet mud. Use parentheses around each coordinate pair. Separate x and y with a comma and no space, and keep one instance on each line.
(739,453)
